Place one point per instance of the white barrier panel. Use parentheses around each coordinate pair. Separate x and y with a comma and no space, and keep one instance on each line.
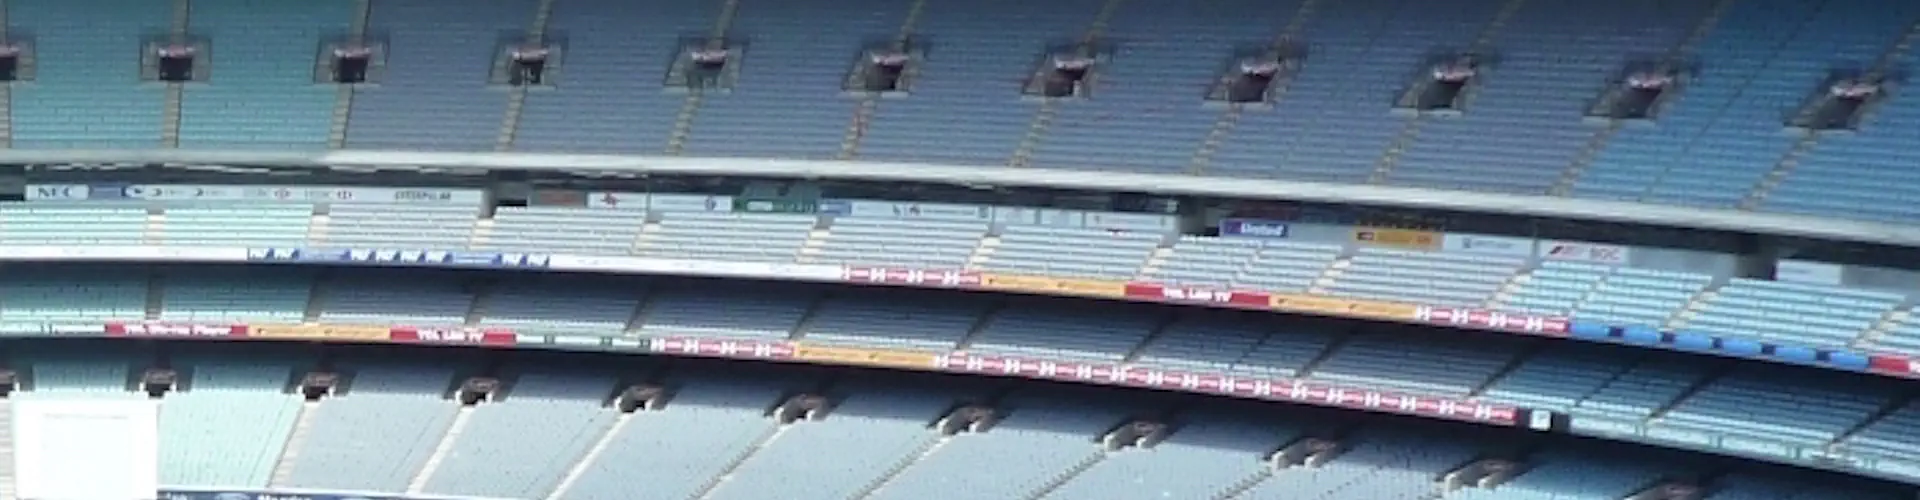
(170,254)
(643,265)
(96,449)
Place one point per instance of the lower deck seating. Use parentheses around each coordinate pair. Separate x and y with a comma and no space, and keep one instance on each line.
(1792,313)
(235,296)
(383,227)
(674,453)
(1752,406)
(574,231)
(1641,390)
(420,298)
(72,297)
(570,305)
(1207,452)
(1894,435)
(243,226)
(1428,366)
(402,408)
(230,427)
(1063,331)
(1071,252)
(909,243)
(1041,438)
(523,446)
(1572,476)
(729,312)
(1385,466)
(869,432)
(729,237)
(1245,262)
(70,225)
(893,319)
(1556,379)
(1424,277)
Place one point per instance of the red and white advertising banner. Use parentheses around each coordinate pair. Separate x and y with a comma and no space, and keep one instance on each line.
(913,277)
(176,330)
(1895,365)
(1270,389)
(1580,251)
(746,349)
(1496,320)
(1198,295)
(452,336)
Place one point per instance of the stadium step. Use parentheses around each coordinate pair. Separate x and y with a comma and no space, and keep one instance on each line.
(1222,129)
(1330,275)
(1588,154)
(517,95)
(926,449)
(6,102)
(592,455)
(1326,353)
(857,128)
(1694,305)
(1888,62)
(1409,133)
(1153,336)
(296,440)
(342,109)
(482,233)
(690,108)
(1893,405)
(641,310)
(979,325)
(460,419)
(1155,261)
(1245,485)
(800,328)
(156,296)
(1507,290)
(1598,143)
(343,95)
(1698,385)
(1230,119)
(864,112)
(773,433)
(648,231)
(316,300)
(1050,107)
(1781,169)
(1066,476)
(1888,322)
(7,491)
(482,301)
(170,115)
(816,243)
(984,252)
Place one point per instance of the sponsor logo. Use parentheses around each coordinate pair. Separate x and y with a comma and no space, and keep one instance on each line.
(1197,295)
(60,192)
(1253,228)
(153,330)
(451,336)
(1586,252)
(418,195)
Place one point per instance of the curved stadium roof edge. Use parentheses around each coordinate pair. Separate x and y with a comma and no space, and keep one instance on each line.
(1542,205)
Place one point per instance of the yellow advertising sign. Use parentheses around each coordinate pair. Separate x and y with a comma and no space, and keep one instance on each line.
(864,357)
(1398,238)
(1343,307)
(1056,286)
(341,333)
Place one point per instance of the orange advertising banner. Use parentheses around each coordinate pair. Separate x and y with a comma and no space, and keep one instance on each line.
(1398,238)
(339,333)
(864,357)
(1344,307)
(1057,286)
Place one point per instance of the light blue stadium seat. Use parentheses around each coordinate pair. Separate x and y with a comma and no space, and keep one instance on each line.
(435,94)
(262,93)
(908,243)
(403,407)
(87,92)
(1279,266)
(1072,252)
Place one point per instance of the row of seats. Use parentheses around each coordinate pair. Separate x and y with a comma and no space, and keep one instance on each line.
(1664,390)
(1524,132)
(549,434)
(1785,313)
